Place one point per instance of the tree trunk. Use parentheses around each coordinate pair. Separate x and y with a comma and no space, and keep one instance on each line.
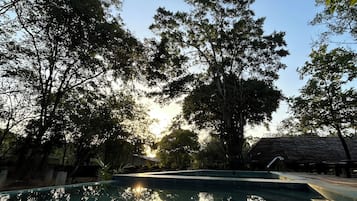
(64,153)
(343,142)
(235,142)
(23,154)
(234,128)
(6,131)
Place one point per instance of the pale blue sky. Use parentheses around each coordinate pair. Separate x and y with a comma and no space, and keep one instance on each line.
(292,17)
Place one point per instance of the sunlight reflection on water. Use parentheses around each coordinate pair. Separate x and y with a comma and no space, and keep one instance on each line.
(140,192)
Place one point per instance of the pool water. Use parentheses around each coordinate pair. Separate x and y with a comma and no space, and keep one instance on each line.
(137,191)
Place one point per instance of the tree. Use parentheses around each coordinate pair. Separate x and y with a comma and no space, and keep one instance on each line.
(54,47)
(204,107)
(118,153)
(96,123)
(291,126)
(176,149)
(328,100)
(219,40)
(212,156)
(339,16)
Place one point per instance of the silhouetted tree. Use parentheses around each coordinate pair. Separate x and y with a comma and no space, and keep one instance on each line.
(54,47)
(328,100)
(217,46)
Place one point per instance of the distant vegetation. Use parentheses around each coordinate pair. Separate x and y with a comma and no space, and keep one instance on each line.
(177,150)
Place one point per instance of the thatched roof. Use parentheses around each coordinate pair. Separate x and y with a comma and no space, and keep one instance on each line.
(302,149)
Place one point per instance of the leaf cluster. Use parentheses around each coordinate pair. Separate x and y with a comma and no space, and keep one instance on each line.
(339,16)
(252,101)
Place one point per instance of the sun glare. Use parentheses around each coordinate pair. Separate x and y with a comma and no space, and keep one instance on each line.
(150,152)
(163,115)
(138,190)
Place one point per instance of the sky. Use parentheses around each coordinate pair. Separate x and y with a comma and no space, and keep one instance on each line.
(291,17)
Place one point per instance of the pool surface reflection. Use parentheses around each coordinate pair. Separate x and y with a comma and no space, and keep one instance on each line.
(159,192)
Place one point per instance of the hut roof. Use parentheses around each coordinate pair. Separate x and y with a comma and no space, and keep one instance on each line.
(302,149)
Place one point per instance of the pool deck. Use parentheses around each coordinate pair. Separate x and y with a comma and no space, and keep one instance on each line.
(331,187)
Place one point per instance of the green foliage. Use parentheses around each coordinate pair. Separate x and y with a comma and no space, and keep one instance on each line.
(61,58)
(8,145)
(329,100)
(221,36)
(176,149)
(212,156)
(52,48)
(14,110)
(104,171)
(329,88)
(338,15)
(251,100)
(97,126)
(118,153)
(331,4)
(204,51)
(291,126)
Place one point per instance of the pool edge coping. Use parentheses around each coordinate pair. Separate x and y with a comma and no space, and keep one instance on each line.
(328,190)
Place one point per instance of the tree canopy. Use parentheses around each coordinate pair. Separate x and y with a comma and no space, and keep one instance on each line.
(222,46)
(339,16)
(203,105)
(329,100)
(53,52)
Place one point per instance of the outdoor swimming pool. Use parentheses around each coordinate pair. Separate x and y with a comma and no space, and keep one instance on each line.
(143,191)
(177,186)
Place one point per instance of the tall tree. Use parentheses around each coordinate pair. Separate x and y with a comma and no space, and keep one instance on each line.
(210,44)
(53,47)
(329,100)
